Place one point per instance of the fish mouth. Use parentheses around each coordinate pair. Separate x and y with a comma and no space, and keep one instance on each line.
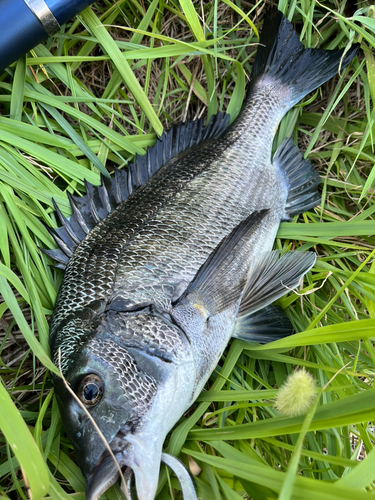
(107,469)
(106,473)
(103,476)
(136,457)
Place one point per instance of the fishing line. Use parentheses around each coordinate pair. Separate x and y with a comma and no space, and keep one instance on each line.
(123,481)
(308,291)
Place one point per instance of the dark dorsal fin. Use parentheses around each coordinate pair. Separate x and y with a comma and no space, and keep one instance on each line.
(100,200)
(301,176)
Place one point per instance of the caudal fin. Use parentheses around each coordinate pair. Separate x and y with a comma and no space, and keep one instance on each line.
(282,57)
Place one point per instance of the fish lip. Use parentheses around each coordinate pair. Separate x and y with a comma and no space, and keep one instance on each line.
(103,476)
(106,470)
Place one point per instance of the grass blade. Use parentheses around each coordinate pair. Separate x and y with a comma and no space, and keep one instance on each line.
(98,30)
(23,446)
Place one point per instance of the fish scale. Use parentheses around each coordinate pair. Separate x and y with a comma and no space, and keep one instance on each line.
(157,338)
(92,261)
(212,202)
(92,272)
(154,292)
(139,389)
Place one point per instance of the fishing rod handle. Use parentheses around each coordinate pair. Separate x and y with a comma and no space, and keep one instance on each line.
(26,23)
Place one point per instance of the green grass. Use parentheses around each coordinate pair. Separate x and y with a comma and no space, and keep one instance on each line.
(92,97)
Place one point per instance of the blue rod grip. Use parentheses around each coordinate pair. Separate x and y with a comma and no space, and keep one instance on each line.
(21,30)
(64,10)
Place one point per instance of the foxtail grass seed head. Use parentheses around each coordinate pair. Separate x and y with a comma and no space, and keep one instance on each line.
(296,394)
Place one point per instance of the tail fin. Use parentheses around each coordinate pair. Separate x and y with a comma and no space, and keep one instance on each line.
(281,56)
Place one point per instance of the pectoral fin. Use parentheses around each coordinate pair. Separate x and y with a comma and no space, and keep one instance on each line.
(220,281)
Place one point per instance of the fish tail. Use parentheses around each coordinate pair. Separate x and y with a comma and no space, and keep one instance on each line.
(282,57)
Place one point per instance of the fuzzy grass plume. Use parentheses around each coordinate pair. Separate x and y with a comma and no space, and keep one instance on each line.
(67,113)
(296,394)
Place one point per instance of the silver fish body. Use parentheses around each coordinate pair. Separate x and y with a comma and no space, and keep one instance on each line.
(155,290)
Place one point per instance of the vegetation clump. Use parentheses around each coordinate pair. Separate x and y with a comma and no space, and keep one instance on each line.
(88,100)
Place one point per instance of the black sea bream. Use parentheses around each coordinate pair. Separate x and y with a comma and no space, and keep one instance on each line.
(173,257)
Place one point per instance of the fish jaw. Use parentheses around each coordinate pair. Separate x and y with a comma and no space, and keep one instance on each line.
(142,450)
(143,396)
(171,401)
(142,453)
(101,479)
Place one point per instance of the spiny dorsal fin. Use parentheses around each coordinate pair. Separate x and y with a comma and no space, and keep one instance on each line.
(301,177)
(100,200)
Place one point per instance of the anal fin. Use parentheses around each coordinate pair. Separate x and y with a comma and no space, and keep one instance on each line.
(265,325)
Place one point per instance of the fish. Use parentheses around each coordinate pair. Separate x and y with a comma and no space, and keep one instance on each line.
(171,258)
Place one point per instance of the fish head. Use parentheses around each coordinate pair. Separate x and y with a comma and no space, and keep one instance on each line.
(126,399)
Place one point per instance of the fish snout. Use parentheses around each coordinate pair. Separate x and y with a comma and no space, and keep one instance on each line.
(107,469)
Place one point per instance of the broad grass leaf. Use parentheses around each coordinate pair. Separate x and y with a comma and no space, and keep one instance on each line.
(347,411)
(16,103)
(23,446)
(305,488)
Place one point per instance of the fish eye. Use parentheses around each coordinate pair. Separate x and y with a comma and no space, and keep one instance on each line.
(90,390)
